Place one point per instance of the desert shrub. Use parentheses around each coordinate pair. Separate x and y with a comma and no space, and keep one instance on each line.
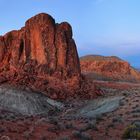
(69,126)
(117,119)
(89,126)
(26,135)
(52,129)
(2,130)
(99,118)
(85,136)
(81,136)
(111,125)
(131,132)
(53,121)
(43,138)
(76,134)
(64,138)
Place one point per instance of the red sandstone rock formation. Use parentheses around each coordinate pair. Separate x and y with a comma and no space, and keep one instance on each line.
(110,68)
(40,55)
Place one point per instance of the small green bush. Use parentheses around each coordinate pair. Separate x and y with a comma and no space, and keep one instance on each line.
(132,132)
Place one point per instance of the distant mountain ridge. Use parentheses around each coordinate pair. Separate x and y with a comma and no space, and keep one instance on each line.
(138,69)
(99,57)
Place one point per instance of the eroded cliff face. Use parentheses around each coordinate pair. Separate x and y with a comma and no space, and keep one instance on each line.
(108,68)
(42,54)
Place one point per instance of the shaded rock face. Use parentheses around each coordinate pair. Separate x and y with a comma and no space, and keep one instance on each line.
(41,54)
(108,68)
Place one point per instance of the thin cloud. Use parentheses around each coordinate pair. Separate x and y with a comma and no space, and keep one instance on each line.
(122,50)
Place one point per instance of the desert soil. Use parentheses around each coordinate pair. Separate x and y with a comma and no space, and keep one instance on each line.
(104,118)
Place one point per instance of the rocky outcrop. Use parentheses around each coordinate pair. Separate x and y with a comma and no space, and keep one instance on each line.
(108,68)
(40,55)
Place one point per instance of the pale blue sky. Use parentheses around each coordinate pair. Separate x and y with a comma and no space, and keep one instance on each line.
(104,27)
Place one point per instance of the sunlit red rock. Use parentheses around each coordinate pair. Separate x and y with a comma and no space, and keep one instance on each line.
(42,55)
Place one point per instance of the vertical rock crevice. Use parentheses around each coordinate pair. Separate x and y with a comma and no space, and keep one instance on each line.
(21,48)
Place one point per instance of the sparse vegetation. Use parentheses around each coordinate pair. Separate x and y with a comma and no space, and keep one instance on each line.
(64,138)
(81,136)
(132,132)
